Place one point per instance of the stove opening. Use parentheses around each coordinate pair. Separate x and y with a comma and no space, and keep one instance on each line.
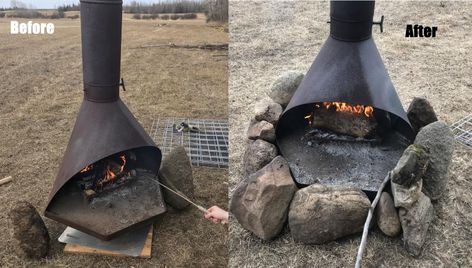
(347,120)
(340,143)
(107,174)
(112,195)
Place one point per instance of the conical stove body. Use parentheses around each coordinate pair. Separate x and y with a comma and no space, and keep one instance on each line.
(104,127)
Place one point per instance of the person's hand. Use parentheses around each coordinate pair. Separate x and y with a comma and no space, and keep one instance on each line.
(217,215)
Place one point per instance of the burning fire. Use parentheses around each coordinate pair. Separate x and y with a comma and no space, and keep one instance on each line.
(343,107)
(368,111)
(85,169)
(112,171)
(123,158)
(109,174)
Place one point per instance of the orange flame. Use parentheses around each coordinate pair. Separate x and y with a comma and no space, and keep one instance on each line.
(368,111)
(108,175)
(85,169)
(123,158)
(309,118)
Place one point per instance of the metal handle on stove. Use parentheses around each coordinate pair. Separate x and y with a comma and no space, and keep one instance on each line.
(122,84)
(380,23)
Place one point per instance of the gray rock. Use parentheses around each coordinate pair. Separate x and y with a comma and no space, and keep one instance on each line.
(285,86)
(176,173)
(405,196)
(261,202)
(267,110)
(415,223)
(420,113)
(261,130)
(258,154)
(30,235)
(320,213)
(438,141)
(411,166)
(387,216)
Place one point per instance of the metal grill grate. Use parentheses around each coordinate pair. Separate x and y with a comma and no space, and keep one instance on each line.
(206,147)
(462,130)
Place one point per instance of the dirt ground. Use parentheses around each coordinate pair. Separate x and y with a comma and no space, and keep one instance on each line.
(40,94)
(269,37)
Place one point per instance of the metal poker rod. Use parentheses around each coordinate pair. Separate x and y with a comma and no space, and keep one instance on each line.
(181,196)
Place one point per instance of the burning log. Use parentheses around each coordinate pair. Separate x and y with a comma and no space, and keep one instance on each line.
(348,123)
(114,167)
(119,180)
(104,176)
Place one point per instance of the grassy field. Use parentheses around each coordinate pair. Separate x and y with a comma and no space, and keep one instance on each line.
(40,94)
(270,37)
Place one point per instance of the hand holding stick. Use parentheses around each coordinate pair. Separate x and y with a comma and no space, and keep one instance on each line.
(214,214)
(217,215)
(182,196)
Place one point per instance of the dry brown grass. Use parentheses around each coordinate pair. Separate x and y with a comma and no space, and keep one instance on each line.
(40,95)
(269,37)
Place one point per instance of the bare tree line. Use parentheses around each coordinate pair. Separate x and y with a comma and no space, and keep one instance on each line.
(22,10)
(72,7)
(168,6)
(215,10)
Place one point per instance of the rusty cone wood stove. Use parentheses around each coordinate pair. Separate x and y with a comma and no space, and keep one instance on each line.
(105,185)
(345,123)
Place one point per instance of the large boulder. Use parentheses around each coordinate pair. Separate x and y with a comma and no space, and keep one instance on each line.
(176,173)
(261,130)
(406,196)
(411,166)
(387,216)
(258,154)
(267,110)
(285,86)
(261,202)
(415,223)
(438,141)
(420,113)
(31,237)
(320,213)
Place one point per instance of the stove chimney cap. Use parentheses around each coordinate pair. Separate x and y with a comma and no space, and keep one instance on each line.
(351,20)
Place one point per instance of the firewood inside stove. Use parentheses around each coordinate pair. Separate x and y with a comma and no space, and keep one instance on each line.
(89,194)
(356,125)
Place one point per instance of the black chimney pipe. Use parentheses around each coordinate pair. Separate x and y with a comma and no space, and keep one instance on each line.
(101,48)
(351,20)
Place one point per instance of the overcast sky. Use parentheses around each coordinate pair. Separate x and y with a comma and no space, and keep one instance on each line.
(56,3)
